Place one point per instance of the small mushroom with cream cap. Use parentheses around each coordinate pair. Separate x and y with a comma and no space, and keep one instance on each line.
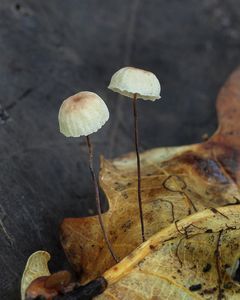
(136,84)
(81,115)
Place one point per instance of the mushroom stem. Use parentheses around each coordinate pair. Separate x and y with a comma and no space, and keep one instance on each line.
(98,203)
(138,165)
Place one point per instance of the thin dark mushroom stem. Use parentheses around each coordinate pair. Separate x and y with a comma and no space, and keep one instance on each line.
(98,203)
(138,165)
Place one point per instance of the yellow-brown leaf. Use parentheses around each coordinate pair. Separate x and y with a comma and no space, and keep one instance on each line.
(176,182)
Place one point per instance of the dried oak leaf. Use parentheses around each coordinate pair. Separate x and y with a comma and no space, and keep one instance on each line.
(193,260)
(176,182)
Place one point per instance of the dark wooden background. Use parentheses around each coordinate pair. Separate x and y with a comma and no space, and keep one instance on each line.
(52,49)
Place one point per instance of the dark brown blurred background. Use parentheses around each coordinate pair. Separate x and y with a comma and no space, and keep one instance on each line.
(52,49)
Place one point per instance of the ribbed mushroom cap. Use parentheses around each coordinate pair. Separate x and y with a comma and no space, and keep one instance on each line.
(129,81)
(82,114)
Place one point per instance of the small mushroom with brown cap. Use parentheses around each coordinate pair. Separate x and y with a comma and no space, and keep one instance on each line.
(136,84)
(81,115)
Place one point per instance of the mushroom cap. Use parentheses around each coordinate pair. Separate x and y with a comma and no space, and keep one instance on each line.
(82,114)
(129,81)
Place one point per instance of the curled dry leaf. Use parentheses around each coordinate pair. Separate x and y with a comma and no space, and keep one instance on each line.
(176,182)
(58,280)
(37,266)
(37,289)
(187,260)
(50,286)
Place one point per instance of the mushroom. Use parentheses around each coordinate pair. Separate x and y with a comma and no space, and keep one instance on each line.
(136,84)
(81,115)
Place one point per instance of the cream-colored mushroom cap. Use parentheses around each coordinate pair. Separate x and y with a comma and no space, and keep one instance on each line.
(82,114)
(129,81)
